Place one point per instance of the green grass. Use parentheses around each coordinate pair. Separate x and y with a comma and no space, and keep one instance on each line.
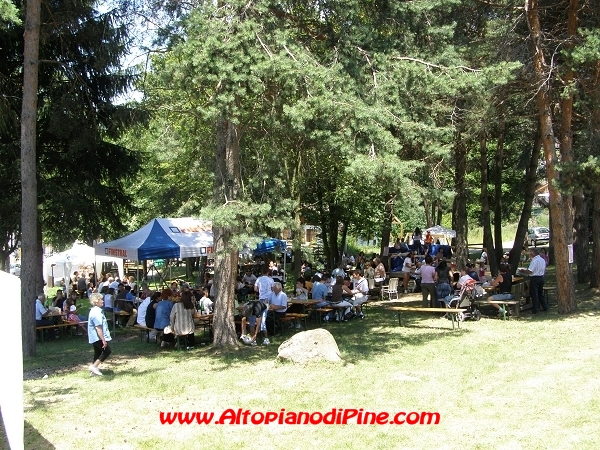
(520,384)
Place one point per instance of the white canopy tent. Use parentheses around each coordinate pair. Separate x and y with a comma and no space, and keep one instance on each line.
(62,265)
(440,230)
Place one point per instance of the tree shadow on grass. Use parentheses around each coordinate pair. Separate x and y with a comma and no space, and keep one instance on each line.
(357,340)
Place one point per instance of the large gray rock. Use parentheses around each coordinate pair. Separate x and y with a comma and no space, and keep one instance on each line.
(312,345)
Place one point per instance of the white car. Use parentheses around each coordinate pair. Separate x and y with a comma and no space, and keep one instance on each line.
(538,234)
(15,269)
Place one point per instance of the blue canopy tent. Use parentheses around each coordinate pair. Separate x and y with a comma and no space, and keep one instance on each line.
(272,245)
(269,245)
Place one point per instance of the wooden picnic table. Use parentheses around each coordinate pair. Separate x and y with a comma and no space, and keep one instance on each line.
(452,311)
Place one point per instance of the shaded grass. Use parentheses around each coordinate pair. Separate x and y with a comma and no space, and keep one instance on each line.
(529,383)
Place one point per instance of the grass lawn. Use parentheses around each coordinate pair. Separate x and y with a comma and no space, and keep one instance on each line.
(531,383)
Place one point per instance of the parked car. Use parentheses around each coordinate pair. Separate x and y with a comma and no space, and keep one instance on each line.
(15,269)
(538,234)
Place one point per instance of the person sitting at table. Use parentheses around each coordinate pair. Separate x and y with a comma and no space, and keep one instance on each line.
(125,301)
(70,311)
(278,301)
(143,309)
(369,271)
(175,289)
(338,271)
(277,276)
(472,272)
(407,268)
(341,306)
(249,278)
(205,304)
(320,291)
(360,292)
(151,314)
(242,289)
(182,319)
(90,290)
(59,300)
(503,283)
(41,316)
(379,271)
(464,278)
(300,291)
(481,272)
(163,316)
(109,294)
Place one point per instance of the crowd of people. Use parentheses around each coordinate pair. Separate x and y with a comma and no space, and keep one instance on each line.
(172,311)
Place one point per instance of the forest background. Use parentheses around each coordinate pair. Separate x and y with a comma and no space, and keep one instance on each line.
(265,115)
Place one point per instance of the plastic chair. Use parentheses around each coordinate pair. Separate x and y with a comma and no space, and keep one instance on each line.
(390,289)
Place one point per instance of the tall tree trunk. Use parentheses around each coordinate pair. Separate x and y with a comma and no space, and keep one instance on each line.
(29,220)
(530,183)
(566,119)
(386,228)
(344,239)
(595,147)
(298,240)
(440,212)
(581,245)
(499,163)
(488,241)
(559,229)
(428,211)
(459,210)
(595,275)
(226,189)
(332,231)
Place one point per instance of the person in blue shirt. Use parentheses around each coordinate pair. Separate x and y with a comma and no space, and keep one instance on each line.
(320,290)
(163,316)
(98,333)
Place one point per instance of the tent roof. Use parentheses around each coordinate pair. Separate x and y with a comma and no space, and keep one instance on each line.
(440,230)
(182,237)
(270,245)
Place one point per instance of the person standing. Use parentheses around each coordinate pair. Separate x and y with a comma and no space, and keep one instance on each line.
(407,268)
(444,276)
(98,334)
(417,237)
(263,287)
(428,279)
(536,272)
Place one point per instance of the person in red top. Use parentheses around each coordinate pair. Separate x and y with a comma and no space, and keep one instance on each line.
(428,241)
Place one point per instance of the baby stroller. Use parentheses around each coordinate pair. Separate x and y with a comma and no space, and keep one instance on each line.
(469,292)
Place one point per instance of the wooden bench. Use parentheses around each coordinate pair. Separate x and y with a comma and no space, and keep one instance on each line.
(289,317)
(452,311)
(504,304)
(64,324)
(146,330)
(321,311)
